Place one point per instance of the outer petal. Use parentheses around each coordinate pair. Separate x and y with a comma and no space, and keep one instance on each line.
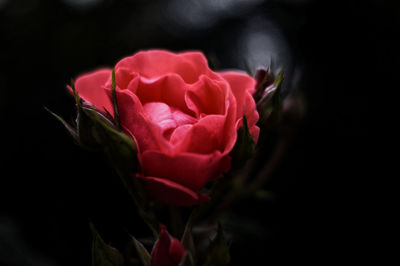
(90,87)
(155,63)
(171,193)
(242,86)
(191,170)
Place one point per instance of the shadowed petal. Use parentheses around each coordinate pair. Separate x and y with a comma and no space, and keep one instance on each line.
(172,193)
(188,169)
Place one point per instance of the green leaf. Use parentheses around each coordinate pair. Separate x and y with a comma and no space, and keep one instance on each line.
(244,147)
(69,128)
(144,255)
(103,254)
(218,251)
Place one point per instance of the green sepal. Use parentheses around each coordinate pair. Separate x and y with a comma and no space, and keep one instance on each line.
(218,251)
(187,260)
(71,130)
(120,149)
(187,237)
(85,125)
(96,132)
(244,147)
(269,106)
(142,252)
(114,99)
(103,254)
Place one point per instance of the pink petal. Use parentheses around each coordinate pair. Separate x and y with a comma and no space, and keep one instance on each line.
(155,63)
(160,114)
(166,117)
(190,170)
(169,88)
(242,87)
(206,136)
(136,122)
(171,193)
(207,96)
(230,132)
(178,136)
(90,87)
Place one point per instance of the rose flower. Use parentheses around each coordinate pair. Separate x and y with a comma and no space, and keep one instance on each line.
(182,115)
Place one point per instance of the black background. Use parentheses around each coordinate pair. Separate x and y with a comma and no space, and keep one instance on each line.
(325,207)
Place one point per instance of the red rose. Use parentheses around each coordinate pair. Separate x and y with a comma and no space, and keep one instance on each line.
(183,116)
(167,251)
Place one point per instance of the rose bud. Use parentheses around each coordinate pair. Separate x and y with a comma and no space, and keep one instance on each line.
(263,79)
(183,116)
(268,97)
(167,250)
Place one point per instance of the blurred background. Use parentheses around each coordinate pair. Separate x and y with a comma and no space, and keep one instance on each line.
(340,54)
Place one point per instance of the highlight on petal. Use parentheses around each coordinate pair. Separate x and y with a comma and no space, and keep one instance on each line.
(166,117)
(91,88)
(172,193)
(191,170)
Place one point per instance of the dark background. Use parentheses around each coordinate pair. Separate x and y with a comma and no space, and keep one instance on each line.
(340,54)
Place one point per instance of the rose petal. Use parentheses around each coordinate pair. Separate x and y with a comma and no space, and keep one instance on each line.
(90,87)
(169,89)
(207,96)
(160,114)
(166,117)
(155,63)
(136,122)
(191,170)
(178,136)
(243,86)
(171,193)
(230,132)
(206,136)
